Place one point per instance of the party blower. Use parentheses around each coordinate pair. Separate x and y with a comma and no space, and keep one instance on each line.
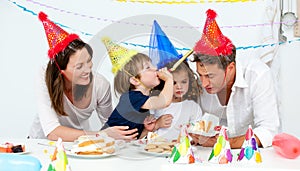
(286,145)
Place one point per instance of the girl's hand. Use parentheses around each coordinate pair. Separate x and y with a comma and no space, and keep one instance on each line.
(122,132)
(164,121)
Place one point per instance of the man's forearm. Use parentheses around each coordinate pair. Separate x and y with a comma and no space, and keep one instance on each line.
(237,142)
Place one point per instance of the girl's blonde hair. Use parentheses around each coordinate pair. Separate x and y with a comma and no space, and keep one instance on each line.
(130,69)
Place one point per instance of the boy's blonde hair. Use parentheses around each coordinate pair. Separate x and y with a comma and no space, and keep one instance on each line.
(130,69)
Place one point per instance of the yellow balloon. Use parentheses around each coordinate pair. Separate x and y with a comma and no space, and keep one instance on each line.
(217,149)
(258,157)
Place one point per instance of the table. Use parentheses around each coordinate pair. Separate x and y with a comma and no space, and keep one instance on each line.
(131,158)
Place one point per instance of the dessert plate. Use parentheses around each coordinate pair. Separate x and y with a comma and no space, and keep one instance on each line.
(119,144)
(139,142)
(18,153)
(214,120)
(162,154)
(104,155)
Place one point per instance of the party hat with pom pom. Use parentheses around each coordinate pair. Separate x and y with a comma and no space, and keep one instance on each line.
(221,152)
(213,42)
(182,152)
(59,160)
(249,151)
(58,39)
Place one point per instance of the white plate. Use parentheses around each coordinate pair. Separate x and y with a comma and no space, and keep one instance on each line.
(164,154)
(215,122)
(119,144)
(206,134)
(139,142)
(26,148)
(25,152)
(70,154)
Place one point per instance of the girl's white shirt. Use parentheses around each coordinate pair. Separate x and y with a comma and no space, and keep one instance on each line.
(187,111)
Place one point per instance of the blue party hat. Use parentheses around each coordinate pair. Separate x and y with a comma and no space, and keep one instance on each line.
(161,49)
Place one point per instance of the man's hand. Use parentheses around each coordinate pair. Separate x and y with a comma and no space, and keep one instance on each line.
(203,140)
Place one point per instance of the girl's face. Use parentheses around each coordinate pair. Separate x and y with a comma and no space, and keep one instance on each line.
(181,83)
(79,67)
(148,76)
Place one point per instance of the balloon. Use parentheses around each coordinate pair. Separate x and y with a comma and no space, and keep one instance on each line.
(241,155)
(223,160)
(228,155)
(13,162)
(222,140)
(286,145)
(217,149)
(249,152)
(258,157)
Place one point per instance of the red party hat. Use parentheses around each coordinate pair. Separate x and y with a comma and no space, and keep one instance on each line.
(58,38)
(213,42)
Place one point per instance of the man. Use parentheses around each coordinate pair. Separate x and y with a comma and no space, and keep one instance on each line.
(240,91)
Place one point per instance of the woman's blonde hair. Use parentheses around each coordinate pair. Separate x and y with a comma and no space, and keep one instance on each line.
(130,69)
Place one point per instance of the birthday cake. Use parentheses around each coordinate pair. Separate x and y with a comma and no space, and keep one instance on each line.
(207,126)
(94,145)
(12,148)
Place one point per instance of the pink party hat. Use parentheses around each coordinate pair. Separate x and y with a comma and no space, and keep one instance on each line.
(221,152)
(182,152)
(249,151)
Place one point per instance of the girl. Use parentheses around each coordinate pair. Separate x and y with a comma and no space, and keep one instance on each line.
(184,107)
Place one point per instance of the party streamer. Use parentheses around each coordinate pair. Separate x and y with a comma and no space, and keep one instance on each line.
(182,1)
(145,46)
(145,25)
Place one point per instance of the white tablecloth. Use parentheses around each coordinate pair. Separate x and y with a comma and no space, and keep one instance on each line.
(131,158)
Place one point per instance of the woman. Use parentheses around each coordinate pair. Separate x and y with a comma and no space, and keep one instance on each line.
(69,91)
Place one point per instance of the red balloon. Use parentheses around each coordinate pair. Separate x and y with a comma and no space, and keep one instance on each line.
(286,145)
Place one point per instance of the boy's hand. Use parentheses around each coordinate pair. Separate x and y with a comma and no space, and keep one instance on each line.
(164,74)
(149,123)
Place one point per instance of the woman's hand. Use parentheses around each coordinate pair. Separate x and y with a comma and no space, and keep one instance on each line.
(122,132)
(203,140)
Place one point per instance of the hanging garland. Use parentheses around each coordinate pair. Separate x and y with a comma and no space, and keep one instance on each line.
(182,1)
(141,24)
(146,46)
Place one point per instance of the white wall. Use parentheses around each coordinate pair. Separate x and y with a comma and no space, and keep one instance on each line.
(24,46)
